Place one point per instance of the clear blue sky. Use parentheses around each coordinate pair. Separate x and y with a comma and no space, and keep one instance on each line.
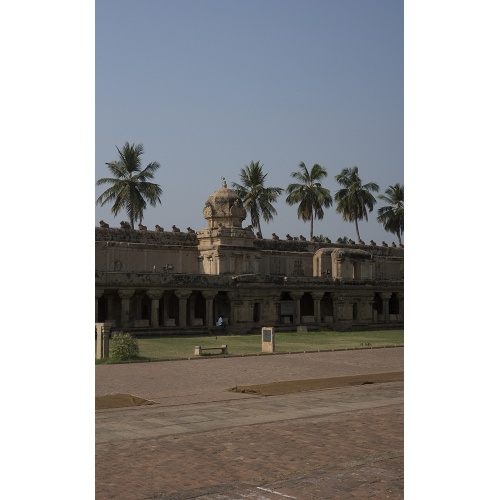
(209,86)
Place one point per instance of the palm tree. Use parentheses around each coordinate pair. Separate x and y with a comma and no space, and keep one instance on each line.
(392,216)
(130,187)
(256,198)
(354,198)
(309,193)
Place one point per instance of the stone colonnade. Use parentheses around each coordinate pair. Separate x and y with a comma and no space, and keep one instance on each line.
(184,308)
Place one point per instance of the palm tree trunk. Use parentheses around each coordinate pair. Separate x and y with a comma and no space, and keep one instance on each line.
(399,236)
(357,229)
(312,219)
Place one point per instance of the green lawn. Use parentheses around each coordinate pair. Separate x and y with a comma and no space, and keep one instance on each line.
(183,347)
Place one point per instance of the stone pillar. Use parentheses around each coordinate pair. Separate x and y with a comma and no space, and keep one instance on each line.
(125,295)
(183,296)
(257,264)
(317,296)
(209,296)
(335,312)
(201,268)
(232,307)
(401,307)
(191,306)
(385,300)
(296,296)
(341,307)
(155,296)
(98,295)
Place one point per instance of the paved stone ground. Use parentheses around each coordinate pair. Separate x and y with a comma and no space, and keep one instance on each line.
(201,441)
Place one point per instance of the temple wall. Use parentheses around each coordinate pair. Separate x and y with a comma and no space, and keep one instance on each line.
(139,258)
(387,268)
(287,263)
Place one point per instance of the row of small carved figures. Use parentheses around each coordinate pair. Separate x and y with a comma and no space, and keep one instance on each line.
(275,237)
(140,227)
(327,240)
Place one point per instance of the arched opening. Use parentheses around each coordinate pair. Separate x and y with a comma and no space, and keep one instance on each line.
(161,311)
(378,304)
(355,310)
(145,307)
(256,312)
(102,308)
(394,304)
(197,309)
(307,305)
(326,308)
(222,307)
(286,308)
(173,309)
(355,270)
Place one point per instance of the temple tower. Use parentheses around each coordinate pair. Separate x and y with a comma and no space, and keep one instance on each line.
(225,246)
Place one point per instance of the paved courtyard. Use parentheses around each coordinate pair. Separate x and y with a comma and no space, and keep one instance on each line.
(202,441)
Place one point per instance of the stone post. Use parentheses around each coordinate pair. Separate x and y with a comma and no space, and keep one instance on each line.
(317,306)
(125,295)
(209,296)
(401,306)
(155,296)
(232,307)
(102,347)
(183,296)
(98,295)
(296,296)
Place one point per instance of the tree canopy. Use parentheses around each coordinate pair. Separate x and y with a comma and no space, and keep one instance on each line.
(309,193)
(256,198)
(354,198)
(392,215)
(131,189)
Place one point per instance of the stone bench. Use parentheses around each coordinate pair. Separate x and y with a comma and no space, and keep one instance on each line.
(198,350)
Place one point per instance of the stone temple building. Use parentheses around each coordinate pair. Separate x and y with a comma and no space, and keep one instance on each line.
(160,281)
